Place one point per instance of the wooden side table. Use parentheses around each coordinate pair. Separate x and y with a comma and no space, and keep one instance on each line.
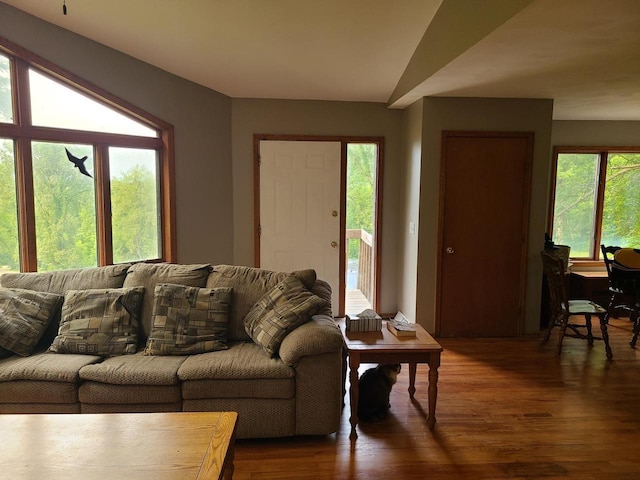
(384,347)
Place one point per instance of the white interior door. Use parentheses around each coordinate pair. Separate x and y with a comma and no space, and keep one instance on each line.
(300,209)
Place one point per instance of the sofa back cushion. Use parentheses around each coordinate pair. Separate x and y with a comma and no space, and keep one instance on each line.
(148,275)
(249,285)
(60,281)
(323,290)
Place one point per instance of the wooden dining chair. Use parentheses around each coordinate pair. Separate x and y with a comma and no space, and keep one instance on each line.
(624,287)
(562,309)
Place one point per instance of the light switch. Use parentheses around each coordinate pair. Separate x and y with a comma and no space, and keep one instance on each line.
(412,228)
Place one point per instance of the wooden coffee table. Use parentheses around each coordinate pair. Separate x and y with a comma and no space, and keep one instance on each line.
(384,347)
(131,446)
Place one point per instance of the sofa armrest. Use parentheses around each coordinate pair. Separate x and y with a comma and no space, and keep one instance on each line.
(319,335)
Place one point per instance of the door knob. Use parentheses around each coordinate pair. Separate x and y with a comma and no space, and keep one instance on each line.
(334,213)
(334,244)
(450,250)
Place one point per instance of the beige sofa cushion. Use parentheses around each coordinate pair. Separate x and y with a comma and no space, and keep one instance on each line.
(249,285)
(244,361)
(108,394)
(148,275)
(47,367)
(188,320)
(138,369)
(243,371)
(37,392)
(323,290)
(62,280)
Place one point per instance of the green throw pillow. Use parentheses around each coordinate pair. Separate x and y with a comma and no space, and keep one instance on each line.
(188,320)
(99,322)
(283,309)
(24,317)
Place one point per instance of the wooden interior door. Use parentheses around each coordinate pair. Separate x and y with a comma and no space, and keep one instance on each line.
(483,224)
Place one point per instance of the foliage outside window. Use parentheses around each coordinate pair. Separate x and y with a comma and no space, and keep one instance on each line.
(361,191)
(54,216)
(361,181)
(595,199)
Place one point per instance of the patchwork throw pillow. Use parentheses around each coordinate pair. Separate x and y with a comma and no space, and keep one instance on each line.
(24,317)
(4,353)
(148,275)
(99,322)
(283,309)
(188,320)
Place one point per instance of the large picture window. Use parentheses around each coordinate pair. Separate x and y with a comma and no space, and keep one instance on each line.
(85,177)
(595,199)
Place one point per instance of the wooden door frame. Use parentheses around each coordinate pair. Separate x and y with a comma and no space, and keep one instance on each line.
(446,134)
(343,140)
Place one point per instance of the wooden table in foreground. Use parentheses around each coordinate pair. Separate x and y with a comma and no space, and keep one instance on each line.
(131,446)
(384,347)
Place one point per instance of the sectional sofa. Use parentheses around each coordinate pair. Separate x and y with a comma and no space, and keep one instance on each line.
(167,337)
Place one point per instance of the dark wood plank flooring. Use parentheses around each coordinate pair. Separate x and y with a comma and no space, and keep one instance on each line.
(507,408)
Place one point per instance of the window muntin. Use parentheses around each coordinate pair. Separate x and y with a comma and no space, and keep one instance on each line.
(56,105)
(134,204)
(6,105)
(9,245)
(595,199)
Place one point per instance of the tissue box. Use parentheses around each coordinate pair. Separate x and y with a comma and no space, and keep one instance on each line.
(354,323)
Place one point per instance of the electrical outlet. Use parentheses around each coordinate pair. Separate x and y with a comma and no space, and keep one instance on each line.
(412,228)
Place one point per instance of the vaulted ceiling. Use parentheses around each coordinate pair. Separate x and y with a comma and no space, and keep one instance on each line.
(584,54)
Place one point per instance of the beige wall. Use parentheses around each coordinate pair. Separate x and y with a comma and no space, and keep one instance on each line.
(292,117)
(409,210)
(595,133)
(201,118)
(488,115)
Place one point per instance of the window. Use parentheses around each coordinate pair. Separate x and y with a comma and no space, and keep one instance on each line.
(595,199)
(110,201)
(361,203)
(9,256)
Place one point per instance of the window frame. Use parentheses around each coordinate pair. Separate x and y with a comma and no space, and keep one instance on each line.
(603,153)
(23,133)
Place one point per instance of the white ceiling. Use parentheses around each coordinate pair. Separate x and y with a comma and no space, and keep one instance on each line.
(585,54)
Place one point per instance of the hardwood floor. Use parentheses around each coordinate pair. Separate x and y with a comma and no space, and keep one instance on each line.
(507,408)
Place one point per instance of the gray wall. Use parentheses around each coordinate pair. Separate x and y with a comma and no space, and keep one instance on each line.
(576,133)
(201,118)
(297,117)
(489,115)
(408,214)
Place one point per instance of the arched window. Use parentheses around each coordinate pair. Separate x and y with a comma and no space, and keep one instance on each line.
(85,178)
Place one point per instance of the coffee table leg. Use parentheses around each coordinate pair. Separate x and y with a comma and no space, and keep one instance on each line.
(354,364)
(412,379)
(434,363)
